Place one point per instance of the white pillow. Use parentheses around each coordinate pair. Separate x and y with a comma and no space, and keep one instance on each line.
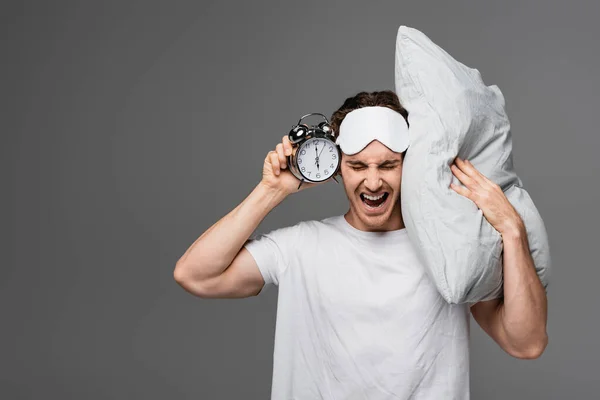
(452,112)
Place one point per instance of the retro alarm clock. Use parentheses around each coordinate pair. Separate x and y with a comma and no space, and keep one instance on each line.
(315,155)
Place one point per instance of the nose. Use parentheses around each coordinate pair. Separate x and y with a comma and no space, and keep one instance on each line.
(373,180)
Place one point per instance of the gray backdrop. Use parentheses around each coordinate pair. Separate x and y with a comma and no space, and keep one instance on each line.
(128,128)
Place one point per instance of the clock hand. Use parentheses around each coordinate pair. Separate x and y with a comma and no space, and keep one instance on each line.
(321,151)
(317,153)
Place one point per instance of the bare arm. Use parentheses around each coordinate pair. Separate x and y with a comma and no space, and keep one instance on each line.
(518,321)
(215,249)
(216,264)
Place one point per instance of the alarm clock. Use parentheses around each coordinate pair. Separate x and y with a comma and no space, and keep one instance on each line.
(315,155)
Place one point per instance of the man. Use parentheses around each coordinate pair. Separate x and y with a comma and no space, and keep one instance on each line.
(357,317)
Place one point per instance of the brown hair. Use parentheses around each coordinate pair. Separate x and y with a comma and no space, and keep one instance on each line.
(385,98)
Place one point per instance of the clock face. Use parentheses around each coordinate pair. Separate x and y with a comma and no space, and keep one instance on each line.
(317,159)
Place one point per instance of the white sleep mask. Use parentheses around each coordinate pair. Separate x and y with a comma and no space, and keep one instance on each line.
(363,125)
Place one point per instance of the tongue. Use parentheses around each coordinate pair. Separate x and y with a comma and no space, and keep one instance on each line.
(374,203)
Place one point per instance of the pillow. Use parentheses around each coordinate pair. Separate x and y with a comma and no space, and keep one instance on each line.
(453,113)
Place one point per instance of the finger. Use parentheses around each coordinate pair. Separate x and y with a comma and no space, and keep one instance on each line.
(467,167)
(484,178)
(282,159)
(461,190)
(287,145)
(462,177)
(275,162)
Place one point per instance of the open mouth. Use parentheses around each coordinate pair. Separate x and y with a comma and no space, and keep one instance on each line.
(374,202)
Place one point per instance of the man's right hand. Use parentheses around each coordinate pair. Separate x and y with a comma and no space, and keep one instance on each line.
(276,174)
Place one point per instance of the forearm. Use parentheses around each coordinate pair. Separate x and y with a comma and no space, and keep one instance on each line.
(216,248)
(524,307)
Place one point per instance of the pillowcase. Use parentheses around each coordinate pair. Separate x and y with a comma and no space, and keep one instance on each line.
(453,113)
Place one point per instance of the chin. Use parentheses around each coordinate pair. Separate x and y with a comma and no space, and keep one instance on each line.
(375,221)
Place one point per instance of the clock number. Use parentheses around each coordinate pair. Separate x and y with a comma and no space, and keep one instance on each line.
(303,152)
(299,161)
(308,173)
(318,176)
(332,166)
(326,172)
(333,156)
(331,149)
(303,169)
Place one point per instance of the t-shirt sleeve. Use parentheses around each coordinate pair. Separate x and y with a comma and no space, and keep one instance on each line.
(272,252)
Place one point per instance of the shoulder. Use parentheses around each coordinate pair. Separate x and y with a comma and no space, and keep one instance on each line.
(316,225)
(305,229)
(321,225)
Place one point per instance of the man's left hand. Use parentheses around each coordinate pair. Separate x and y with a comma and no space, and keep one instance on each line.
(487,195)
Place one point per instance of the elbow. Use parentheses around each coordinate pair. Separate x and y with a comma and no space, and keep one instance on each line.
(182,276)
(178,274)
(532,351)
(188,282)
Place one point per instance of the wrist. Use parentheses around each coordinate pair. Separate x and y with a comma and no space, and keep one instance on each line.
(514,229)
(270,194)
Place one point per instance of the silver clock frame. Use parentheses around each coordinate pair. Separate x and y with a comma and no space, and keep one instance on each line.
(314,132)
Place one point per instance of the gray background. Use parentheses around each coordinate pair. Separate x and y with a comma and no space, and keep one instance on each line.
(128,128)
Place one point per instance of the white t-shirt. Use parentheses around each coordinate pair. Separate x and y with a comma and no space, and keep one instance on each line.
(358,317)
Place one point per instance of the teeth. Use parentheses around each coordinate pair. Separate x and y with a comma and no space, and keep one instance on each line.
(373,198)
